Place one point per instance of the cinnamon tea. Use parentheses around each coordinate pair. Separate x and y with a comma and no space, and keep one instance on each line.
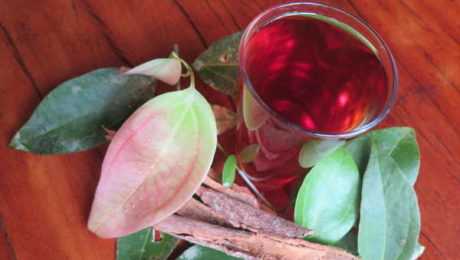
(315,74)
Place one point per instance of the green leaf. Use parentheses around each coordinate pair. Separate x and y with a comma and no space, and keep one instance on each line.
(154,164)
(389,218)
(139,246)
(225,118)
(218,65)
(198,252)
(349,242)
(70,118)
(328,198)
(314,150)
(228,174)
(248,153)
(399,142)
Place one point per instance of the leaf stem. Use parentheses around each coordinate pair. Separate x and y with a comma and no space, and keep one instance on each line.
(176,52)
(189,69)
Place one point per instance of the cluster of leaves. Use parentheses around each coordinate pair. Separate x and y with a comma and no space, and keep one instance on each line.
(367,183)
(359,194)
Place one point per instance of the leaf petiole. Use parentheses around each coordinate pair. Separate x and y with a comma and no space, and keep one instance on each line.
(189,72)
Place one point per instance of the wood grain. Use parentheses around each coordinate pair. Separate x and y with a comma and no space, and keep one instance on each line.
(45,201)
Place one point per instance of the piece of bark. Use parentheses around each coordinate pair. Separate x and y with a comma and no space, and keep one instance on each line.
(248,245)
(227,220)
(198,211)
(242,215)
(235,191)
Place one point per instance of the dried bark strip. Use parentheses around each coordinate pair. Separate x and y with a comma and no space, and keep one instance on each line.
(198,211)
(248,245)
(242,215)
(227,220)
(238,192)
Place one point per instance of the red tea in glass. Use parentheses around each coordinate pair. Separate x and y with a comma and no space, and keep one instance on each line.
(306,74)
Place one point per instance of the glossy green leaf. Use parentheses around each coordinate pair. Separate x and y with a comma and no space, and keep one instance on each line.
(225,118)
(229,171)
(328,199)
(140,246)
(249,153)
(198,252)
(314,150)
(389,217)
(218,65)
(399,142)
(70,118)
(154,164)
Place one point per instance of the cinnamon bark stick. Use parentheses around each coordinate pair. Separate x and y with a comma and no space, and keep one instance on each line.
(227,220)
(242,215)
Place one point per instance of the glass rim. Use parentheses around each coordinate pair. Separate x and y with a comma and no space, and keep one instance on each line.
(348,134)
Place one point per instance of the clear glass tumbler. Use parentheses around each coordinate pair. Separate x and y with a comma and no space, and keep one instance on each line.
(307,71)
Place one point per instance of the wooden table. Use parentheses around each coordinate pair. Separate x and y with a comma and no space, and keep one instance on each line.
(45,201)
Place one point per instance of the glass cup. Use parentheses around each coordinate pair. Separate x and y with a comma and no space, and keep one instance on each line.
(268,142)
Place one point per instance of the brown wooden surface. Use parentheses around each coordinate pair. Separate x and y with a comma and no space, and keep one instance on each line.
(45,201)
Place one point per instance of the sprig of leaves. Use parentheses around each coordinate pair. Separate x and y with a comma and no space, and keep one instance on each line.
(389,220)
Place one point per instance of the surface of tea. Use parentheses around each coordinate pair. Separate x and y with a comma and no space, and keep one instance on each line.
(315,74)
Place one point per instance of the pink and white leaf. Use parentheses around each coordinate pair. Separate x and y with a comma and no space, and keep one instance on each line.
(154,164)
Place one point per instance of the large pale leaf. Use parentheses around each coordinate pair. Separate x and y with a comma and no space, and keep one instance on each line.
(154,164)
(139,246)
(198,252)
(389,218)
(327,201)
(70,118)
(399,142)
(218,65)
